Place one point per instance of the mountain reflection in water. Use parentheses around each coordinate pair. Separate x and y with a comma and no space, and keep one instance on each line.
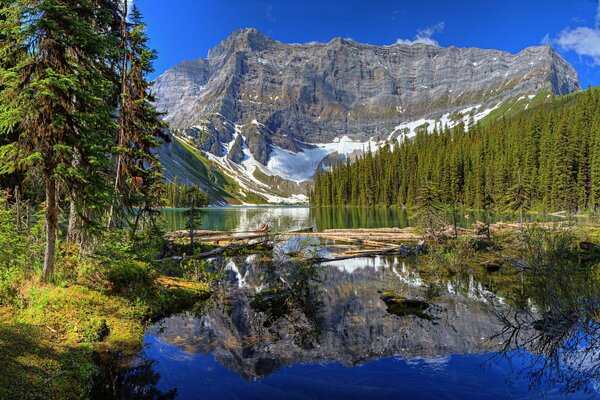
(297,331)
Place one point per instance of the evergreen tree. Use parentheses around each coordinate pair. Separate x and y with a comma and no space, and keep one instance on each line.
(517,199)
(56,92)
(138,176)
(551,150)
(430,213)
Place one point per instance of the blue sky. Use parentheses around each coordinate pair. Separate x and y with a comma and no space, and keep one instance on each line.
(187,29)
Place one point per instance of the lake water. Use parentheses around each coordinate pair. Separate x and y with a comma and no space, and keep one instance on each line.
(281,218)
(295,331)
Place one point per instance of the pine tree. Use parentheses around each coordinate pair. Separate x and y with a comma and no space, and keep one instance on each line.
(142,125)
(552,148)
(430,213)
(56,93)
(517,199)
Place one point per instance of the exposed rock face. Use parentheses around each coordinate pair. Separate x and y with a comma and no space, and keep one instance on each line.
(316,92)
(292,96)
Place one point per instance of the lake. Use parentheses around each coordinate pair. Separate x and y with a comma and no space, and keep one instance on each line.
(296,331)
(281,218)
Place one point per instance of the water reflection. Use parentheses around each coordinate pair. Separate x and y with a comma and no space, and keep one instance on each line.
(299,331)
(294,314)
(284,218)
(135,380)
(557,323)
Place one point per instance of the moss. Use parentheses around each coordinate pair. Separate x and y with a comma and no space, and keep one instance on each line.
(48,344)
(403,307)
(34,366)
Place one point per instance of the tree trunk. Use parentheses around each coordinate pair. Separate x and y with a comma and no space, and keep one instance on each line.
(192,226)
(121,134)
(521,218)
(51,229)
(18,209)
(74,233)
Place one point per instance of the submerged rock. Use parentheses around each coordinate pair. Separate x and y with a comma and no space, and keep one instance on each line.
(402,307)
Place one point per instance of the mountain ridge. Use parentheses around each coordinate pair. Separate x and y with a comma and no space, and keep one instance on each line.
(259,107)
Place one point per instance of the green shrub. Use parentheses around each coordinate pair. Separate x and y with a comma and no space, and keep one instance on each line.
(10,279)
(149,243)
(95,330)
(199,271)
(130,275)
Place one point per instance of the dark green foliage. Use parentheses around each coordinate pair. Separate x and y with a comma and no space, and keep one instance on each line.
(547,158)
(138,177)
(430,213)
(124,275)
(55,80)
(183,196)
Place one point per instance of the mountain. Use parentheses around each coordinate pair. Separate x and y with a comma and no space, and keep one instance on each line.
(267,114)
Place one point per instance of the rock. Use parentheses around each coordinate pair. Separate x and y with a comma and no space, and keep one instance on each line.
(402,307)
(492,265)
(236,153)
(263,228)
(293,95)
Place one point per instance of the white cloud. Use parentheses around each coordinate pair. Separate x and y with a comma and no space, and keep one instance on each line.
(582,40)
(425,35)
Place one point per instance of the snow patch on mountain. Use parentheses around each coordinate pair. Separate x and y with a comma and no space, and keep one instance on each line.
(302,166)
(467,116)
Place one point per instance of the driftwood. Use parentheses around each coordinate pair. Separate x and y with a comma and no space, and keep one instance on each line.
(197,234)
(403,251)
(380,237)
(345,239)
(516,262)
(212,253)
(216,236)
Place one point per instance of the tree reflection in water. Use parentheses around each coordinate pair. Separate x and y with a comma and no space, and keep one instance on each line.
(290,296)
(129,381)
(551,334)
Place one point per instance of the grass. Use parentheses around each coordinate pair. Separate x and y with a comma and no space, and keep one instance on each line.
(34,366)
(47,346)
(49,339)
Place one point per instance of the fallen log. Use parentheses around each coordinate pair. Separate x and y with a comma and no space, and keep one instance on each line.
(516,263)
(222,237)
(211,253)
(403,251)
(356,239)
(197,234)
(371,230)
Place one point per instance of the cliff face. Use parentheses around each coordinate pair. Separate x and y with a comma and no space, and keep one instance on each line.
(282,98)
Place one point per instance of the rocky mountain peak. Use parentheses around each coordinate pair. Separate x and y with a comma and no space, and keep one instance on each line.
(282,110)
(241,40)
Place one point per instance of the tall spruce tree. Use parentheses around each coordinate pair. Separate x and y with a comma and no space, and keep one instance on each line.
(56,91)
(138,173)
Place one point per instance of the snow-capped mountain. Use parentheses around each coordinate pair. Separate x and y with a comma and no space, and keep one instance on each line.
(264,115)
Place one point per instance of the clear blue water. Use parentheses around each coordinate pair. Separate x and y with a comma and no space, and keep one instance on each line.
(200,376)
(290,331)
